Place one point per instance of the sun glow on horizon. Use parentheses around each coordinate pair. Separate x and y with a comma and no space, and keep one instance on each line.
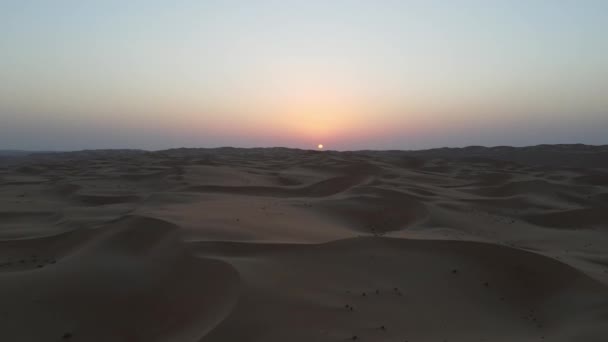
(353,75)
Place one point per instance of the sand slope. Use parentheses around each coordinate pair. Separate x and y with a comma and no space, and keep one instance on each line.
(474,244)
(127,281)
(412,290)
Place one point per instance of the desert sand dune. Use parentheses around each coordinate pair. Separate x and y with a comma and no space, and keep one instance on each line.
(129,281)
(478,292)
(203,245)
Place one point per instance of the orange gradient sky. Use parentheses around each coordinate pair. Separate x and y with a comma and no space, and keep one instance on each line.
(347,74)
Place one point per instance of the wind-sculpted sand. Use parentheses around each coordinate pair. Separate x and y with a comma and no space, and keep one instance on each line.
(206,245)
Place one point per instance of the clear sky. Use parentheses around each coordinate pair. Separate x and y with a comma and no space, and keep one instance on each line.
(348,74)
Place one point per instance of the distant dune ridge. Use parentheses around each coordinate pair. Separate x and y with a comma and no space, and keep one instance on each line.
(275,244)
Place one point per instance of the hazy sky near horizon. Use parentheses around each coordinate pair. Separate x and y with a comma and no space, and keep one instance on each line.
(348,74)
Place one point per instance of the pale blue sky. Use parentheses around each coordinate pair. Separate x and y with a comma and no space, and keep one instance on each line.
(350,74)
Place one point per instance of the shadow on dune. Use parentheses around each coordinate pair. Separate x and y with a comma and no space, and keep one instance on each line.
(375,210)
(572,219)
(415,288)
(323,188)
(133,274)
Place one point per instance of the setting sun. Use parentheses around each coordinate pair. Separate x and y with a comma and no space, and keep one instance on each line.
(320,146)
